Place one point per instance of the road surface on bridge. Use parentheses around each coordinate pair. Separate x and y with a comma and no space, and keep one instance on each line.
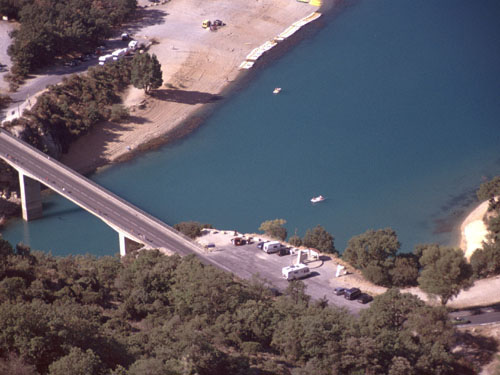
(116,212)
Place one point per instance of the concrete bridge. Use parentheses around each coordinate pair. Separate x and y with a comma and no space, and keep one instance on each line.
(130,222)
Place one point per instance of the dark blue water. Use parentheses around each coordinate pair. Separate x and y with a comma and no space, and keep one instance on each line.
(391,111)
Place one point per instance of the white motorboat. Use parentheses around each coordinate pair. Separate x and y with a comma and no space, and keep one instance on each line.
(317,199)
(277,90)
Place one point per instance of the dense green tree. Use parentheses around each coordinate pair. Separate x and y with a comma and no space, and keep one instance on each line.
(372,247)
(146,72)
(15,365)
(77,362)
(192,229)
(295,240)
(319,238)
(274,228)
(405,271)
(5,248)
(51,28)
(445,272)
(489,189)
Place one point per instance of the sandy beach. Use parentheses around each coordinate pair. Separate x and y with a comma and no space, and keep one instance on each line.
(473,230)
(198,68)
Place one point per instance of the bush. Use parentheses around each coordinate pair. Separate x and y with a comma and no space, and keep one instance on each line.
(295,241)
(192,229)
(4,101)
(489,189)
(319,238)
(118,113)
(405,271)
(377,275)
(274,228)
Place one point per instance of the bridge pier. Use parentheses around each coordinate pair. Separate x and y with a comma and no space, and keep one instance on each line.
(124,244)
(31,197)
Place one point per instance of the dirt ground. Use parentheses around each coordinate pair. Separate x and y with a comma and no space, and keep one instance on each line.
(197,65)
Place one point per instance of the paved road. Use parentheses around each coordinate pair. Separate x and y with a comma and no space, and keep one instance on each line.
(478,315)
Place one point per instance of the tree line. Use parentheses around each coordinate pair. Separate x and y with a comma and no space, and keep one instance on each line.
(51,29)
(153,314)
(438,270)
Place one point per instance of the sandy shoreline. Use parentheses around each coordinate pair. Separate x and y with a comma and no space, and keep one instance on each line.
(473,230)
(199,67)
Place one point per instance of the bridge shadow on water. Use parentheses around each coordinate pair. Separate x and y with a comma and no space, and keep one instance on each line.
(185,97)
(60,213)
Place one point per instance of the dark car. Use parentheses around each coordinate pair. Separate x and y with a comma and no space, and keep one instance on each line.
(339,291)
(284,251)
(364,298)
(352,293)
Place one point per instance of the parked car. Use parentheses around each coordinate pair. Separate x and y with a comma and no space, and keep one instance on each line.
(352,293)
(364,298)
(339,291)
(458,320)
(284,251)
(125,36)
(260,245)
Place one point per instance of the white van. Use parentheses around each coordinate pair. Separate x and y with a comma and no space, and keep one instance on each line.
(132,45)
(295,272)
(119,53)
(104,59)
(272,247)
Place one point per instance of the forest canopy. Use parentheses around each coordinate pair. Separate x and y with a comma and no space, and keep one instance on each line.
(50,29)
(149,313)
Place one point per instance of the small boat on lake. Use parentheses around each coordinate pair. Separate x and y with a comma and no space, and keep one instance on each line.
(317,199)
(277,90)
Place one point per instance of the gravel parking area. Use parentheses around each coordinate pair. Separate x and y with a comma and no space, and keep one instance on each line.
(247,261)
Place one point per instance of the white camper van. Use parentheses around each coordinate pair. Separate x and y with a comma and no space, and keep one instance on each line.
(104,59)
(272,247)
(295,272)
(132,45)
(119,53)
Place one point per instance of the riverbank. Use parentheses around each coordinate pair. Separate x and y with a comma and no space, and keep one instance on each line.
(473,230)
(200,68)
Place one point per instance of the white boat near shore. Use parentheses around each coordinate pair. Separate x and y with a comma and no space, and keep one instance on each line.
(317,199)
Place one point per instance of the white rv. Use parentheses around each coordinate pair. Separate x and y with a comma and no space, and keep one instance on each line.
(104,59)
(119,53)
(272,247)
(295,272)
(132,45)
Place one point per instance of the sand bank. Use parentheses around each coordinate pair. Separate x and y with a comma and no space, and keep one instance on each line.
(199,66)
(473,230)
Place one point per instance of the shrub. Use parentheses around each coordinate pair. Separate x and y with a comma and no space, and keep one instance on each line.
(192,229)
(274,228)
(319,238)
(118,113)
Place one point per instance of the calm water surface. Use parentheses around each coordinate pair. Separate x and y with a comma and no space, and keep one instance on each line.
(391,111)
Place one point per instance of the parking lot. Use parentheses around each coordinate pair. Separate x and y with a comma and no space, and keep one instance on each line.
(247,261)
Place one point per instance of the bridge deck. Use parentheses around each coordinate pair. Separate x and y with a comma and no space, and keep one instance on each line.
(116,212)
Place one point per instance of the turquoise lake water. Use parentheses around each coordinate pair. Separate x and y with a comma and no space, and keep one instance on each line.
(391,111)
